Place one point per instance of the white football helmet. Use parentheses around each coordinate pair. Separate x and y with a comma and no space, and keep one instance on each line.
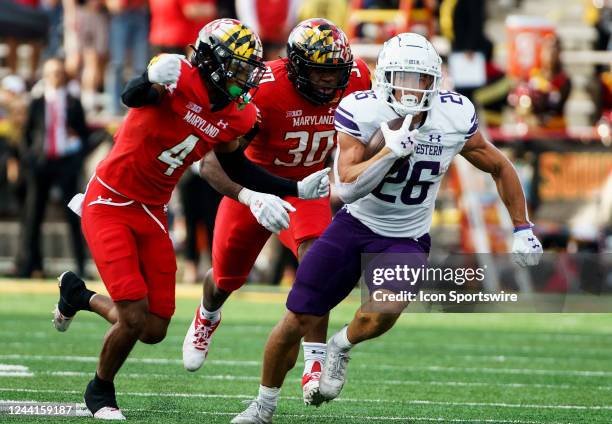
(409,63)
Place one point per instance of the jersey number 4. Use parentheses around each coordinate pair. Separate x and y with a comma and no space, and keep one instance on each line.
(307,148)
(174,156)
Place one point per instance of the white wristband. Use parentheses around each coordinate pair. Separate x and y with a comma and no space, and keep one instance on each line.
(244,196)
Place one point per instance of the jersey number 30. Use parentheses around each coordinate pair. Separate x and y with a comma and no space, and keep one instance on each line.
(174,156)
(305,147)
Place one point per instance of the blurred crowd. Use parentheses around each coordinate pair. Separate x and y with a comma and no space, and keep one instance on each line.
(63,65)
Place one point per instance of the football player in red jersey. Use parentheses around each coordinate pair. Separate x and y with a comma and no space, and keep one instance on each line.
(180,111)
(297,99)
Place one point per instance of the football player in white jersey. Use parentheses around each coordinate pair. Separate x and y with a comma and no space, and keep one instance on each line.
(385,212)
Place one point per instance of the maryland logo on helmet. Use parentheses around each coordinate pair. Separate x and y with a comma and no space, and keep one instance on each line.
(235,36)
(319,45)
(321,42)
(229,56)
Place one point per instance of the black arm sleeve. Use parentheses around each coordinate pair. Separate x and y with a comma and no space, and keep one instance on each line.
(140,92)
(247,174)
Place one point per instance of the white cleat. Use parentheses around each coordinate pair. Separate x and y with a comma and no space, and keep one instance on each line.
(333,374)
(310,386)
(60,322)
(69,285)
(109,413)
(197,341)
(256,413)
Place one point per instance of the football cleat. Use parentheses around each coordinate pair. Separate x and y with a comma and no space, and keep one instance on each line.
(108,413)
(65,310)
(310,386)
(197,341)
(256,413)
(60,321)
(333,374)
(101,402)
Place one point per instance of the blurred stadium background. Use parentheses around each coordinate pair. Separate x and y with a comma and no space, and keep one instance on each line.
(538,70)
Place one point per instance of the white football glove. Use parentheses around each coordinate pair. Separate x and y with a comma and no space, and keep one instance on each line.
(269,210)
(526,248)
(314,186)
(401,141)
(165,70)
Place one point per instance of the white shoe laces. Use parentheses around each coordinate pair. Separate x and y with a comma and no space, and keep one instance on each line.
(338,362)
(202,336)
(254,410)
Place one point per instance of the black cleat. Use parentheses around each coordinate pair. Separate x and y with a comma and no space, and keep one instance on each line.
(101,401)
(74,296)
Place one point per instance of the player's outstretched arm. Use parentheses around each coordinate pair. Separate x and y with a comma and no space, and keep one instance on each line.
(356,177)
(526,248)
(269,210)
(242,171)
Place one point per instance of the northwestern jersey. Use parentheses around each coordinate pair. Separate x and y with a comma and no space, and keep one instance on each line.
(296,137)
(156,143)
(402,204)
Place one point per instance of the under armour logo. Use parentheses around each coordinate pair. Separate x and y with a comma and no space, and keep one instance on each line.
(222,124)
(406,143)
(535,246)
(435,137)
(331,110)
(530,239)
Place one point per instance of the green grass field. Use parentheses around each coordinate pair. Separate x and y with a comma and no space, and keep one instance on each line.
(538,368)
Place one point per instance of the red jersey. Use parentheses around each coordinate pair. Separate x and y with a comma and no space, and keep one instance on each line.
(296,137)
(156,143)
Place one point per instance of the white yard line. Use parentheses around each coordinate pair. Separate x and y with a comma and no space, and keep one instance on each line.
(315,415)
(480,370)
(81,411)
(348,400)
(353,380)
(13,370)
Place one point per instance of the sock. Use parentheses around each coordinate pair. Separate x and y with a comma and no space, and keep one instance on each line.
(341,339)
(212,316)
(85,297)
(268,396)
(313,352)
(103,384)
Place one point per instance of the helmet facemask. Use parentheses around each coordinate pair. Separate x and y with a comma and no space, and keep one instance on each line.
(233,76)
(408,73)
(317,82)
(408,91)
